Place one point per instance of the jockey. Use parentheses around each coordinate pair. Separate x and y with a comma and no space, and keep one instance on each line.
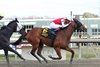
(58,24)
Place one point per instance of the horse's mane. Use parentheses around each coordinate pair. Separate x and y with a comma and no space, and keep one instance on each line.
(11,22)
(3,27)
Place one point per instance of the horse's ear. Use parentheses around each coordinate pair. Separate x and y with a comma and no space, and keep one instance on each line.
(16,20)
(75,20)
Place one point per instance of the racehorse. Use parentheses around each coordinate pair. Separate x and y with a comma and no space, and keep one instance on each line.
(5,34)
(61,41)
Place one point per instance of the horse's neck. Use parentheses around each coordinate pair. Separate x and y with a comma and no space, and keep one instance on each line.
(8,31)
(11,27)
(69,31)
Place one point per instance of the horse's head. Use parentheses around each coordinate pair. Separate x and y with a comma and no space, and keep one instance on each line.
(79,26)
(22,31)
(15,25)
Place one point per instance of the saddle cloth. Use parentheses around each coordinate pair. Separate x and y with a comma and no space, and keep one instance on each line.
(45,32)
(48,33)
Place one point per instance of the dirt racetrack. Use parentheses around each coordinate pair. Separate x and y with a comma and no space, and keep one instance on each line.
(76,63)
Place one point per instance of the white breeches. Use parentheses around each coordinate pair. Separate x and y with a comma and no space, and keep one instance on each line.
(53,25)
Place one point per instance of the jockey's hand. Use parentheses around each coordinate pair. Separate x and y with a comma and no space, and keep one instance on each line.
(60,28)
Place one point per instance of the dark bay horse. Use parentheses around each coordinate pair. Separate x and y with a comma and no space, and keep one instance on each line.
(5,34)
(62,40)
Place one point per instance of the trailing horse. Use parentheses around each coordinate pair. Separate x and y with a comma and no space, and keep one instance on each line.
(5,34)
(37,40)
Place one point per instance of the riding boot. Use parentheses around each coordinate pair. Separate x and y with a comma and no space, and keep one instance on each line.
(53,40)
(54,32)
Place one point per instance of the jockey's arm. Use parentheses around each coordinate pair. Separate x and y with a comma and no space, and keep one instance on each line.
(64,25)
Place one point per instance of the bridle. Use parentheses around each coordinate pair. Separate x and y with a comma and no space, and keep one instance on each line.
(19,26)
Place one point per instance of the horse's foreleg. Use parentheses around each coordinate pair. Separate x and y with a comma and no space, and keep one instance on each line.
(70,50)
(58,51)
(39,53)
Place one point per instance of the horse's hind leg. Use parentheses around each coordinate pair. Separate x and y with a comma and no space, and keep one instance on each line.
(34,48)
(58,51)
(33,53)
(39,52)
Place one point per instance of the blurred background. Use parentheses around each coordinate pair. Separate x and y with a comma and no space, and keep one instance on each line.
(48,8)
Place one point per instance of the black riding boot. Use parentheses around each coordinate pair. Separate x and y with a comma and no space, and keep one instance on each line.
(53,40)
(53,37)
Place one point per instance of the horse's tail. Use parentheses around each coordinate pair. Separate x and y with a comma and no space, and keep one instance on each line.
(22,37)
